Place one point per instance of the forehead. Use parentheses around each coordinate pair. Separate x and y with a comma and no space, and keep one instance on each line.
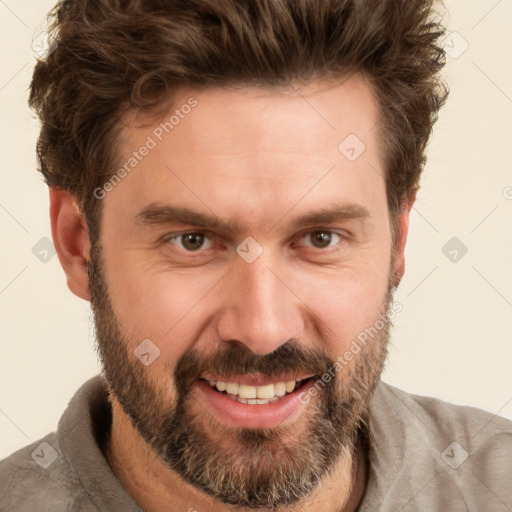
(317,107)
(216,145)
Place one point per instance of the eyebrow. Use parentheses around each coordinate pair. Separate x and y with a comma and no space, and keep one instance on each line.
(161,215)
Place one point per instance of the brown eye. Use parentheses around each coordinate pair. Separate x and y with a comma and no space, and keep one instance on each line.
(191,241)
(322,239)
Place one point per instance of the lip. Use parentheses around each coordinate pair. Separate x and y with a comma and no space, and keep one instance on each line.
(256,379)
(229,412)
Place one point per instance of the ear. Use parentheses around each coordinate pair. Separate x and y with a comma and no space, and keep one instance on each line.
(71,239)
(401,238)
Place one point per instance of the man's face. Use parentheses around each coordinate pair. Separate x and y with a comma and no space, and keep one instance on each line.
(250,248)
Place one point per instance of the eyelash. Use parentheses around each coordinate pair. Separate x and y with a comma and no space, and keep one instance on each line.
(168,239)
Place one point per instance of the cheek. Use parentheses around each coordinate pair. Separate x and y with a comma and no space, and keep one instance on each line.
(161,304)
(344,303)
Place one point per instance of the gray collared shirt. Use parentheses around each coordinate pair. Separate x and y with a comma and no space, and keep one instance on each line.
(426,455)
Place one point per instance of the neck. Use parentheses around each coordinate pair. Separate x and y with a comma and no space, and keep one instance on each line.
(156,488)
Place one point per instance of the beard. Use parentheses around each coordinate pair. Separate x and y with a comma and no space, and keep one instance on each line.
(266,468)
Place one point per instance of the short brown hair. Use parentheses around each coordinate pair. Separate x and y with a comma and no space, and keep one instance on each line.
(114,53)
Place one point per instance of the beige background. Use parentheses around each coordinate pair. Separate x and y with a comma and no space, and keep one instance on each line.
(453,338)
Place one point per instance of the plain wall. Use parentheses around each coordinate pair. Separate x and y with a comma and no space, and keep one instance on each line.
(452,340)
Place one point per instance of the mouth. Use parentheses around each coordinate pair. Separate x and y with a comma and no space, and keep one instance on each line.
(254,401)
(246,390)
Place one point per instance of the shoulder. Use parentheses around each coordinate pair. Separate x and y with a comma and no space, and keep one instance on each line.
(429,454)
(454,433)
(67,470)
(441,416)
(442,420)
(38,477)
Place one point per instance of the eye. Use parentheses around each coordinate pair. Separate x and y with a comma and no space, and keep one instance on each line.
(190,242)
(322,239)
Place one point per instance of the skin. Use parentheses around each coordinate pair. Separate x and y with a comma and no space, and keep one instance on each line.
(261,158)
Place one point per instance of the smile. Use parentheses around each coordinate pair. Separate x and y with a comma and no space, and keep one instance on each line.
(257,394)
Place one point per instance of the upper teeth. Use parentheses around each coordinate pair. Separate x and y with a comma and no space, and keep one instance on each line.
(277,389)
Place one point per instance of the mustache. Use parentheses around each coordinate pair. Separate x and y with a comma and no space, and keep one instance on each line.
(235,358)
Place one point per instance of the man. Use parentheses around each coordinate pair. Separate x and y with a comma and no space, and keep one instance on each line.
(230,186)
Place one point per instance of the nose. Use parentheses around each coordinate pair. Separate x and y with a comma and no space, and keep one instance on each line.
(260,309)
